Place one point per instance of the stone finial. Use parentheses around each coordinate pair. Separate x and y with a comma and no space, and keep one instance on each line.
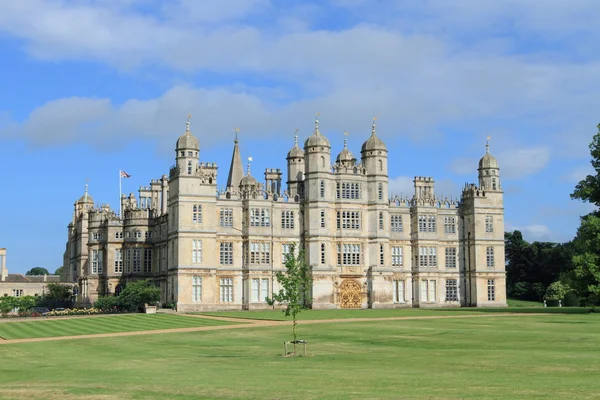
(373,126)
(487,144)
(249,161)
(187,124)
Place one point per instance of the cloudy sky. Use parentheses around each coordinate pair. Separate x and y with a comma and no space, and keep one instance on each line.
(89,87)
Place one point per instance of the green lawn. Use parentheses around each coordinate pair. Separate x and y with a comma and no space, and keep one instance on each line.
(520,357)
(105,324)
(523,303)
(278,315)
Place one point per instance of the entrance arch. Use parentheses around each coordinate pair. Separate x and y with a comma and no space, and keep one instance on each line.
(118,290)
(350,294)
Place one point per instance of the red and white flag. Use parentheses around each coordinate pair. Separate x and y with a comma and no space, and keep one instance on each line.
(125,175)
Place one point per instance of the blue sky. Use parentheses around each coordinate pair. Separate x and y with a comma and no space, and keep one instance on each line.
(89,87)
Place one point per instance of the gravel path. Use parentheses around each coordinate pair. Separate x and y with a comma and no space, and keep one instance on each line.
(251,323)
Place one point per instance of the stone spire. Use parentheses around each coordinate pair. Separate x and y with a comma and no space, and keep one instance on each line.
(236,170)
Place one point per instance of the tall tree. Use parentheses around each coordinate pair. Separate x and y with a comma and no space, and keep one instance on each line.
(588,189)
(295,287)
(59,270)
(37,271)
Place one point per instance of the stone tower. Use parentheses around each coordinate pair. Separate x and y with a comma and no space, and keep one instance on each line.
(482,213)
(295,169)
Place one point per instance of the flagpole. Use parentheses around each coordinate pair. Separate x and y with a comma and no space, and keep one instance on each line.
(120,195)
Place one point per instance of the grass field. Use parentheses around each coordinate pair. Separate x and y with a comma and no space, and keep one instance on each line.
(487,357)
(523,303)
(105,324)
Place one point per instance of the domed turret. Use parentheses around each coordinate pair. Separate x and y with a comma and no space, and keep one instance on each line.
(345,157)
(489,172)
(317,138)
(318,152)
(373,143)
(296,151)
(248,181)
(488,160)
(188,141)
(86,198)
(186,152)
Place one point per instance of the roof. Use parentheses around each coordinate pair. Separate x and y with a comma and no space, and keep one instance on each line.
(20,278)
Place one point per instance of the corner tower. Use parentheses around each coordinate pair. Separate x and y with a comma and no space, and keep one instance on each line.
(374,155)
(187,151)
(295,168)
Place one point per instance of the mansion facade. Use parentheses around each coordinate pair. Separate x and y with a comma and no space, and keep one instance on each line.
(211,249)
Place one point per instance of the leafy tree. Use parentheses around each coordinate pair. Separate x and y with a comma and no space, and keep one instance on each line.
(59,270)
(37,271)
(557,291)
(588,189)
(295,287)
(59,292)
(7,304)
(137,294)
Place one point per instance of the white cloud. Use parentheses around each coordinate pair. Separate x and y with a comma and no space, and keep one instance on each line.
(403,185)
(518,163)
(577,174)
(534,232)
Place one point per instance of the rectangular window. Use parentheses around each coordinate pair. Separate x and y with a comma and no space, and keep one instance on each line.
(381,223)
(255,290)
(322,189)
(285,250)
(97,261)
(17,292)
(397,258)
(427,257)
(431,223)
(147,260)
(399,292)
(226,253)
(260,253)
(423,291)
(323,253)
(396,223)
(260,290)
(432,291)
(197,214)
(322,218)
(196,289)
(264,289)
(260,217)
(128,255)
(450,257)
(381,255)
(137,260)
(118,260)
(451,290)
(226,217)
(491,287)
(118,235)
(449,225)
(349,219)
(489,256)
(422,223)
(489,224)
(97,236)
(226,290)
(349,254)
(287,219)
(196,251)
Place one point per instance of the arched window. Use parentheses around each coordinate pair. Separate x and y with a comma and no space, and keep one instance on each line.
(380,165)
(322,189)
(380,191)
(322,161)
(189,169)
(380,220)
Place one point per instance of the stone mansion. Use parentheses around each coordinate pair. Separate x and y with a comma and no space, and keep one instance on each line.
(211,249)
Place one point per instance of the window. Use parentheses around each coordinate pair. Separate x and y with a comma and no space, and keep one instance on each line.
(118,235)
(147,260)
(260,290)
(197,214)
(422,223)
(285,250)
(451,290)
(97,236)
(349,254)
(96,261)
(450,257)
(196,289)
(226,290)
(118,260)
(431,223)
(260,253)
(381,255)
(489,224)
(287,219)
(399,291)
(427,257)
(322,218)
(449,225)
(137,234)
(489,255)
(380,191)
(397,260)
(396,223)
(190,153)
(196,251)
(491,287)
(380,221)
(322,189)
(322,253)
(226,253)
(348,190)
(494,187)
(128,253)
(428,291)
(226,217)
(17,292)
(349,219)
(260,217)
(137,260)
(189,168)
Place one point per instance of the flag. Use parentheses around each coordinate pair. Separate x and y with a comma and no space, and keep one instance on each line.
(250,159)
(125,175)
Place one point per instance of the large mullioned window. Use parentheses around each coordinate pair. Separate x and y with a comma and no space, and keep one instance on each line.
(197,214)
(349,254)
(226,253)
(260,217)
(348,219)
(226,217)
(287,219)
(348,190)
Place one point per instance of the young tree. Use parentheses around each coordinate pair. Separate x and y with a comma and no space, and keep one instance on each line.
(137,294)
(295,284)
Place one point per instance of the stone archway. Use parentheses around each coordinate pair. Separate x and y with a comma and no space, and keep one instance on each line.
(350,294)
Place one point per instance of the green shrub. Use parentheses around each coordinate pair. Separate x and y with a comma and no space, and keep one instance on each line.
(107,303)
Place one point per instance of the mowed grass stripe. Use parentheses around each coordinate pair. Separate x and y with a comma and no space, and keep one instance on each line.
(112,324)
